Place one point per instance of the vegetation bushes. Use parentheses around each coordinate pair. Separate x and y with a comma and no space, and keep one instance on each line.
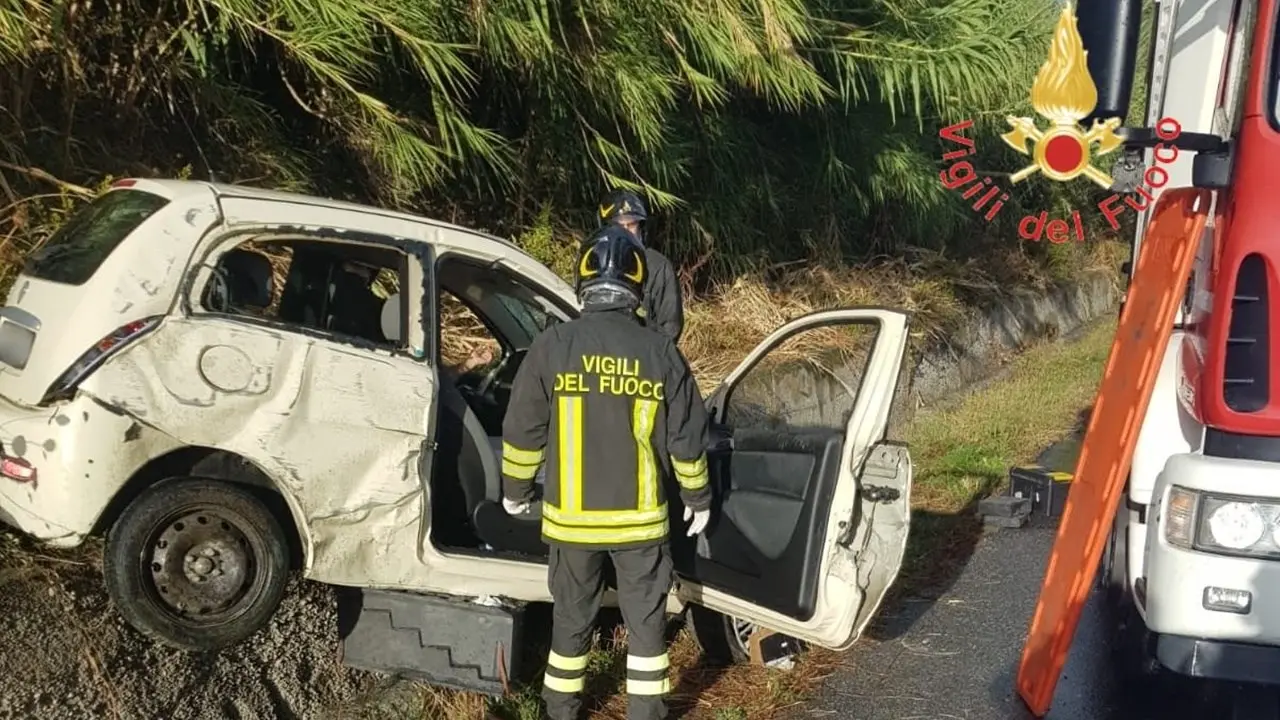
(775,136)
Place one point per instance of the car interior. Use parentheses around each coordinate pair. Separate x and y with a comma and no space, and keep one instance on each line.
(328,287)
(467,514)
(353,290)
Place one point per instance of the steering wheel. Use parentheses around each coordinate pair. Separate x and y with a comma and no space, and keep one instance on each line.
(482,389)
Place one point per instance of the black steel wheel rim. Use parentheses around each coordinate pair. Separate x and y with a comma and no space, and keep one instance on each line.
(202,566)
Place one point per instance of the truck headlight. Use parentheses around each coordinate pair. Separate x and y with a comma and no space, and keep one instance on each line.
(1233,525)
(1223,524)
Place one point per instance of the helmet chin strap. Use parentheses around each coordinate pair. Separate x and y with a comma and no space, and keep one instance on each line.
(610,295)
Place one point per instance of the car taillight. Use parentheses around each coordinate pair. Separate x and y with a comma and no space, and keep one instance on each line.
(66,383)
(18,470)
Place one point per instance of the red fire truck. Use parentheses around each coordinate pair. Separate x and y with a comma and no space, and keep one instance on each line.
(1192,564)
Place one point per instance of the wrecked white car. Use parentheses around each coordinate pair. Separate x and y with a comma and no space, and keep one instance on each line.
(231,383)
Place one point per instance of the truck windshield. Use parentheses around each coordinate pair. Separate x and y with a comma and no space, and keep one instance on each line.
(73,253)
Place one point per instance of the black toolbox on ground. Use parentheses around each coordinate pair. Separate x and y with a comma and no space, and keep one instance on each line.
(1046,489)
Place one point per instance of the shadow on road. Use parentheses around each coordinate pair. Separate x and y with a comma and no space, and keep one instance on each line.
(941,544)
(939,547)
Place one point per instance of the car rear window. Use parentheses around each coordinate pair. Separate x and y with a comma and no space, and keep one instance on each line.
(73,253)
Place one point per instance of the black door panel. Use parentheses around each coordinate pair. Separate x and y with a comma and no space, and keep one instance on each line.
(773,494)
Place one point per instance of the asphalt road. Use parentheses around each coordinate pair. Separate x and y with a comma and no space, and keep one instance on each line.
(954,656)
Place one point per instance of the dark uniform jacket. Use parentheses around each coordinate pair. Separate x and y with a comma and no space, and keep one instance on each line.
(662,308)
(613,409)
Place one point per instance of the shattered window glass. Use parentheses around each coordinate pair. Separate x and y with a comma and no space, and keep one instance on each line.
(73,253)
(808,381)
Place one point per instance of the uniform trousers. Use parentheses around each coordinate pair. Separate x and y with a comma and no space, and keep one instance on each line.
(576,579)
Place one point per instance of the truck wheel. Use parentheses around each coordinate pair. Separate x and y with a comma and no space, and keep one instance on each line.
(196,564)
(723,639)
(1114,574)
(1130,654)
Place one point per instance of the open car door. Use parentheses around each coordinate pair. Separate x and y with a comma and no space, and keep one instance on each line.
(812,504)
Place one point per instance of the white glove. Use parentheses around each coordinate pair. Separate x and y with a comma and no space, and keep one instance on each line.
(700,519)
(515,507)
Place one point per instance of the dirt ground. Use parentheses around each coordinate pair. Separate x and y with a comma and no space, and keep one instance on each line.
(66,655)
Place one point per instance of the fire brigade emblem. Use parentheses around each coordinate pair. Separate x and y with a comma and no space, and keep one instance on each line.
(1064,93)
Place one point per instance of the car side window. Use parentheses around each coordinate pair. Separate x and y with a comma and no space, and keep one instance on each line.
(807,381)
(329,287)
(532,318)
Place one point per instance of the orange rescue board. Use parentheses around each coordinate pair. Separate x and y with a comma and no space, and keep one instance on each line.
(1158,286)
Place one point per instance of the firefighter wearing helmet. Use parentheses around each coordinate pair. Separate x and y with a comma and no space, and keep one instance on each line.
(661,307)
(612,408)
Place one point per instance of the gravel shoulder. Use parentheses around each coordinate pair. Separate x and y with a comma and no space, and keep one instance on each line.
(67,655)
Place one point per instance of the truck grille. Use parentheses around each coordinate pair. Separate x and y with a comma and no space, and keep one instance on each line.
(1246,382)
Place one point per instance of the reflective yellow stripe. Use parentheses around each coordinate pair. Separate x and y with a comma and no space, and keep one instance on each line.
(605,518)
(568,664)
(521,457)
(603,535)
(569,687)
(643,415)
(649,687)
(569,422)
(691,475)
(518,471)
(648,664)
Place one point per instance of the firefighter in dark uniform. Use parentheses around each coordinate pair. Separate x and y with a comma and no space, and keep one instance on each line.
(611,407)
(661,307)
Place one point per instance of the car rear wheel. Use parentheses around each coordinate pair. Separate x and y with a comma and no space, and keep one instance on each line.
(196,564)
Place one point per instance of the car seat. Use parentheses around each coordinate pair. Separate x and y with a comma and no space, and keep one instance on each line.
(353,308)
(465,468)
(519,533)
(246,285)
(390,319)
(302,301)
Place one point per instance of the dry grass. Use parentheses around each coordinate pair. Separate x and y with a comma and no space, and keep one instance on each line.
(699,692)
(723,325)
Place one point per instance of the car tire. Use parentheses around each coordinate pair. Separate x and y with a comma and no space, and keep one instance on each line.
(196,564)
(723,639)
